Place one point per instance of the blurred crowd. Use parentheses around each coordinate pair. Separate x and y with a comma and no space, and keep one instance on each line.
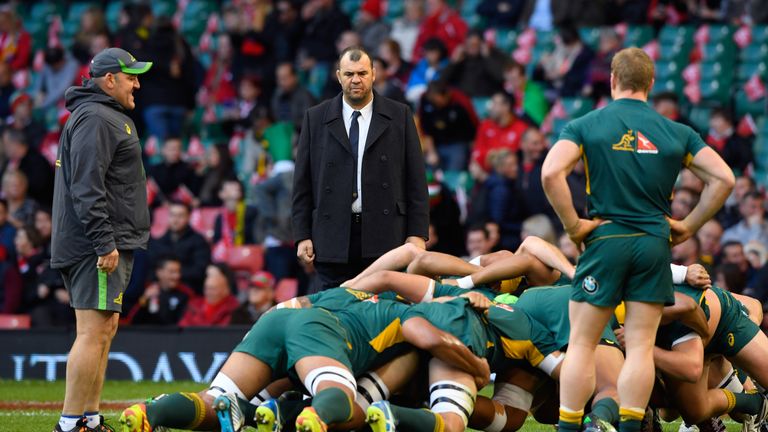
(491,82)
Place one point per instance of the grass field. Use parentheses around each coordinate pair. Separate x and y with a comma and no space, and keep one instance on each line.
(29,406)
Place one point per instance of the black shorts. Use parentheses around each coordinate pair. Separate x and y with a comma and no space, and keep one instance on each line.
(91,288)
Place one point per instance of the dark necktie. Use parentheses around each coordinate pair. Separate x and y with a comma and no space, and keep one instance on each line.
(354,140)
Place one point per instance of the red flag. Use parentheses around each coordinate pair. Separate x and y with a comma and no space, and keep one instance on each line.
(490,36)
(701,36)
(234,144)
(621,29)
(693,92)
(150,148)
(212,26)
(205,42)
(20,79)
(220,252)
(754,88)
(602,102)
(39,62)
(152,190)
(747,126)
(692,73)
(522,55)
(743,36)
(527,39)
(652,49)
(196,149)
(183,194)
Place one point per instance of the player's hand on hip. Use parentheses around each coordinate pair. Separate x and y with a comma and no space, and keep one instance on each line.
(108,262)
(306,252)
(679,231)
(581,230)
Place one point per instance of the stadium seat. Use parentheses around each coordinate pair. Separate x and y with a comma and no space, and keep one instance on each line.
(638,36)
(673,84)
(456,180)
(724,51)
(481,106)
(671,35)
(395,9)
(720,32)
(676,51)
(746,106)
(590,36)
(760,34)
(203,219)
(112,14)
(164,7)
(667,69)
(248,258)
(745,71)
(159,222)
(286,289)
(715,91)
(719,71)
(577,107)
(506,40)
(699,116)
(558,124)
(754,52)
(14,322)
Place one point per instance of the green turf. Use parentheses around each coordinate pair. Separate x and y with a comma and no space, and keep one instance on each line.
(43,420)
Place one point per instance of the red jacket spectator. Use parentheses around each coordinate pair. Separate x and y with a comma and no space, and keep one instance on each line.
(15,42)
(216,305)
(502,130)
(443,23)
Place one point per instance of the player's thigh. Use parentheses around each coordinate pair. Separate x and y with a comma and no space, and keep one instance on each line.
(649,278)
(601,274)
(641,323)
(247,372)
(451,394)
(396,373)
(587,323)
(319,373)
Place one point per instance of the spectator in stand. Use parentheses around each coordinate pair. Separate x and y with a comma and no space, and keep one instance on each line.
(448,123)
(730,214)
(397,69)
(219,85)
(163,301)
(539,226)
(405,29)
(10,279)
(15,42)
(182,241)
(426,70)
(58,74)
(291,99)
(568,248)
(92,24)
(253,46)
(168,88)
(735,149)
(285,26)
(261,297)
(29,256)
(368,24)
(237,221)
(135,26)
(493,234)
(683,201)
(529,96)
(6,91)
(21,119)
(733,253)
(533,149)
(249,97)
(7,233)
(600,70)
(730,278)
(478,242)
(264,142)
(753,225)
(502,130)
(442,22)
(500,13)
(385,84)
(216,305)
(709,236)
(21,208)
(39,173)
(577,182)
(218,168)
(323,24)
(503,201)
(668,105)
(687,253)
(566,69)
(476,68)
(172,172)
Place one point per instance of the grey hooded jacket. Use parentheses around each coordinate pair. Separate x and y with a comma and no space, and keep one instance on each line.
(100,196)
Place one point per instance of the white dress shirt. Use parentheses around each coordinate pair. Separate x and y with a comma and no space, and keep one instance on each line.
(364,123)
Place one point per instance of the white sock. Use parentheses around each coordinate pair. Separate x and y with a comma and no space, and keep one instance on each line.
(93,418)
(68,422)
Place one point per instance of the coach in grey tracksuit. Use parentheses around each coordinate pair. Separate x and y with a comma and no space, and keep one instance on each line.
(100,217)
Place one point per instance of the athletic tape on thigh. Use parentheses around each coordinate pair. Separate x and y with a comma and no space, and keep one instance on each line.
(550,362)
(452,397)
(370,388)
(262,397)
(329,373)
(512,396)
(499,418)
(223,382)
(430,293)
(731,382)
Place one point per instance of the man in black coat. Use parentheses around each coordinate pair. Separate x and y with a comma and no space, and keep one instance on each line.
(359,184)
(21,156)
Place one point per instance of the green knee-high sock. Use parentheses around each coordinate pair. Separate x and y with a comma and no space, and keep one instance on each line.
(332,405)
(607,409)
(177,410)
(745,403)
(630,419)
(417,420)
(570,421)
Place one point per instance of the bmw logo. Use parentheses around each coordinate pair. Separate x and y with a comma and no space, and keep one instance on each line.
(590,285)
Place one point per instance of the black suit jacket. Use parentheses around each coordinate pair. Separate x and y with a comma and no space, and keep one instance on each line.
(394,188)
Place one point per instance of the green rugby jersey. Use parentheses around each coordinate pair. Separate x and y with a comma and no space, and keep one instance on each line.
(632,156)
(457,318)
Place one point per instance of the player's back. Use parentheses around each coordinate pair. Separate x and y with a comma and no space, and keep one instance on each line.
(632,156)
(457,318)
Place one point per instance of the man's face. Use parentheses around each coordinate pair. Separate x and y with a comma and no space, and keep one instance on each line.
(742,187)
(169,275)
(685,253)
(477,243)
(43,223)
(499,108)
(123,87)
(172,150)
(709,237)
(178,218)
(230,194)
(473,45)
(734,254)
(682,204)
(667,108)
(750,207)
(215,287)
(286,79)
(356,79)
(533,143)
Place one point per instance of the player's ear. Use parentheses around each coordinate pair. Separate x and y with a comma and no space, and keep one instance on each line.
(338,75)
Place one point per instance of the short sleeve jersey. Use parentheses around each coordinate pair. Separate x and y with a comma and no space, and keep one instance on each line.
(516,338)
(632,156)
(457,318)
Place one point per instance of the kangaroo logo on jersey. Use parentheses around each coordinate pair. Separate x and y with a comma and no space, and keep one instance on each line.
(590,285)
(626,142)
(644,145)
